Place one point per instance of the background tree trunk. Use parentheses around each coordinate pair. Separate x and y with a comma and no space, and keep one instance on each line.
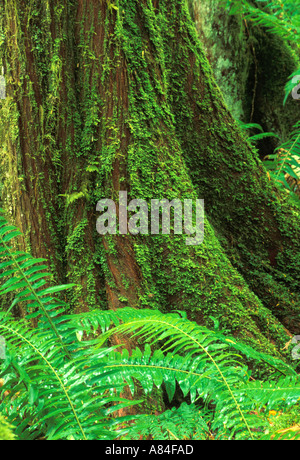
(109,97)
(251,65)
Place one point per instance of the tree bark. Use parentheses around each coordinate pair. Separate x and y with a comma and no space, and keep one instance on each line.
(111,97)
(251,66)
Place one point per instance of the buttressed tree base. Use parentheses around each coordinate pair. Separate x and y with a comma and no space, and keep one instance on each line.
(108,98)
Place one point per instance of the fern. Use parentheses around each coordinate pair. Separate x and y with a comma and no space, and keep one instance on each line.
(83,194)
(257,137)
(27,277)
(64,387)
(286,163)
(94,322)
(282,18)
(214,374)
(188,422)
(279,17)
(46,370)
(50,394)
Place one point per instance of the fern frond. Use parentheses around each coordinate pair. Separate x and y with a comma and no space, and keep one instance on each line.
(208,370)
(196,377)
(188,422)
(102,321)
(256,137)
(286,163)
(278,394)
(35,347)
(288,157)
(68,388)
(27,280)
(47,371)
(44,387)
(281,18)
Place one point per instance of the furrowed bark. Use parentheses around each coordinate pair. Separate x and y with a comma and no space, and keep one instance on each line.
(136,108)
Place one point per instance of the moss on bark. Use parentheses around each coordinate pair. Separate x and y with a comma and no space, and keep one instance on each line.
(136,107)
(251,65)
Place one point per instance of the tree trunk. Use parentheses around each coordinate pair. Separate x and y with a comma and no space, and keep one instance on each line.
(111,97)
(251,65)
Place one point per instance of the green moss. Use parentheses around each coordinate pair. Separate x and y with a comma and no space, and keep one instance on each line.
(161,121)
(142,113)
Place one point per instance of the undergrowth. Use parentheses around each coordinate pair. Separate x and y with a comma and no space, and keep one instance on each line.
(62,380)
(281,18)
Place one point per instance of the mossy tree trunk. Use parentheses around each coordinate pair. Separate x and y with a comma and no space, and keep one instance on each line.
(251,66)
(109,96)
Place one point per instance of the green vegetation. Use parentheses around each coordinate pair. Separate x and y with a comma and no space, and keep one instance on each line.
(283,20)
(62,386)
(143,337)
(6,433)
